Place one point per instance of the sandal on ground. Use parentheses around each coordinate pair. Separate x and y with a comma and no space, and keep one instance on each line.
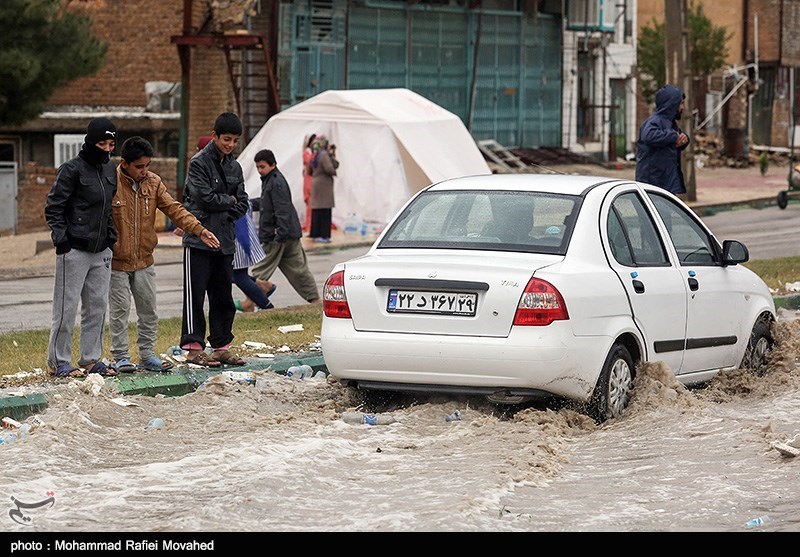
(227,357)
(201,359)
(155,364)
(100,368)
(124,365)
(66,371)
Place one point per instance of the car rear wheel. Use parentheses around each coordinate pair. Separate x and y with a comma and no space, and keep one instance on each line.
(758,348)
(613,390)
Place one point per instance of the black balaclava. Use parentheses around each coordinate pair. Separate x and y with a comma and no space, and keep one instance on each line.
(98,130)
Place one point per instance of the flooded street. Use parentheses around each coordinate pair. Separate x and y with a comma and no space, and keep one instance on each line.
(276,457)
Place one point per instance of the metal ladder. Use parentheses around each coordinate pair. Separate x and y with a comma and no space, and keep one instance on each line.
(502,156)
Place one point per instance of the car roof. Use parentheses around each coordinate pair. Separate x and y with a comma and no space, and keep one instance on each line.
(550,183)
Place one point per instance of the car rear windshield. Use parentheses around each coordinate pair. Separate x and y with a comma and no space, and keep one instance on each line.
(533,222)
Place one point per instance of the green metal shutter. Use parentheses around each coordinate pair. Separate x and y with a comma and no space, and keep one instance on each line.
(541,114)
(439,58)
(431,50)
(312,48)
(377,50)
(498,82)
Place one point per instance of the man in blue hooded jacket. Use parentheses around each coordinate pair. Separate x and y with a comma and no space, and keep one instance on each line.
(658,150)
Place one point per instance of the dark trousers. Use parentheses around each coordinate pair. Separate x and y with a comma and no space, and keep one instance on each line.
(247,284)
(320,223)
(207,273)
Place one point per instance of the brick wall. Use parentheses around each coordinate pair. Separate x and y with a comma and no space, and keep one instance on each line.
(211,94)
(780,123)
(769,30)
(790,33)
(34,183)
(139,50)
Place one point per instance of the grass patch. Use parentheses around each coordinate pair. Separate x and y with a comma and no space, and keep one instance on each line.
(27,350)
(776,272)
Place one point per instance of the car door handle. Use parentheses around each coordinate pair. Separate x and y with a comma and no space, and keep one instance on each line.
(693,284)
(638,286)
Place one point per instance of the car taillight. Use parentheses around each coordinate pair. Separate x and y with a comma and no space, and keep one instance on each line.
(334,299)
(540,304)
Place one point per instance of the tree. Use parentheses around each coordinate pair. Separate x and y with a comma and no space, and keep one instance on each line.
(708,44)
(43,46)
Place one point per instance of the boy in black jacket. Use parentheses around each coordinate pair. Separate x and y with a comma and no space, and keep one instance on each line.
(214,193)
(78,212)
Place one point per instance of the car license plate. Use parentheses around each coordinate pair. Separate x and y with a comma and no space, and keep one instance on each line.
(443,303)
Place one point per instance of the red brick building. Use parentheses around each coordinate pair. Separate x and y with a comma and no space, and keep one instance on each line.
(140,87)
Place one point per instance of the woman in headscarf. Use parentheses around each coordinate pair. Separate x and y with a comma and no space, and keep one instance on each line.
(323,167)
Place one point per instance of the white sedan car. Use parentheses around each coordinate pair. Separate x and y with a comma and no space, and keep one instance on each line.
(528,286)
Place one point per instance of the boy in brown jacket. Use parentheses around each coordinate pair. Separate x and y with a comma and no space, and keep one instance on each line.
(139,193)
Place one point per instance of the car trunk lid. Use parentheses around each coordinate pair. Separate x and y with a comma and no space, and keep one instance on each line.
(446,292)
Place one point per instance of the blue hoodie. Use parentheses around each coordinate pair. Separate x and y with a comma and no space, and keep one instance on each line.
(658,160)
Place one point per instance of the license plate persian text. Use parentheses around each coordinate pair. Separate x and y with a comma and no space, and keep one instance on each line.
(446,303)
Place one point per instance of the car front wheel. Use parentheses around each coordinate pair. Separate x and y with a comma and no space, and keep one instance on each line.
(758,348)
(613,390)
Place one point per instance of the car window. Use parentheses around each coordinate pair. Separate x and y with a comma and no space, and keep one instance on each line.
(632,234)
(692,243)
(499,220)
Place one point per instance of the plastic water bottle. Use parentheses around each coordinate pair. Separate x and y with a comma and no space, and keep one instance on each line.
(8,438)
(307,370)
(758,522)
(175,351)
(299,372)
(351,224)
(369,419)
(454,417)
(155,423)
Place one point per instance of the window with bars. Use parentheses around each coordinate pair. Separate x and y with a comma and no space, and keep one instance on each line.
(66,146)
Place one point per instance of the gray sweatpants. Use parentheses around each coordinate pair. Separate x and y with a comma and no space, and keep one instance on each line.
(81,277)
(141,285)
(290,258)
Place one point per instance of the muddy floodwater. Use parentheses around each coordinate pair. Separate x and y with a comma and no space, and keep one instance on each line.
(276,456)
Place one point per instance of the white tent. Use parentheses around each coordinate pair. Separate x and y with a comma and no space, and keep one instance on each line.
(390,143)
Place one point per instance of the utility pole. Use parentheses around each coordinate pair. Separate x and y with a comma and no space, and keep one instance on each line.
(678,66)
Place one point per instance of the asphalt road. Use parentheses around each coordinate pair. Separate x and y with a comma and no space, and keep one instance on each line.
(26,303)
(768,233)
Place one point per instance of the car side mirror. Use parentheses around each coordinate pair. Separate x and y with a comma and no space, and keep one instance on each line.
(733,252)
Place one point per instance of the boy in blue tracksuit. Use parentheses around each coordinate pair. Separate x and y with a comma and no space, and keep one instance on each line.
(658,150)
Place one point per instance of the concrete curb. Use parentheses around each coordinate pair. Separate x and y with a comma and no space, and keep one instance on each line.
(713,208)
(178,382)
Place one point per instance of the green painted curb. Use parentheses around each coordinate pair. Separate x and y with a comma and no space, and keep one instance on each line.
(178,382)
(20,407)
(787,302)
(151,384)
